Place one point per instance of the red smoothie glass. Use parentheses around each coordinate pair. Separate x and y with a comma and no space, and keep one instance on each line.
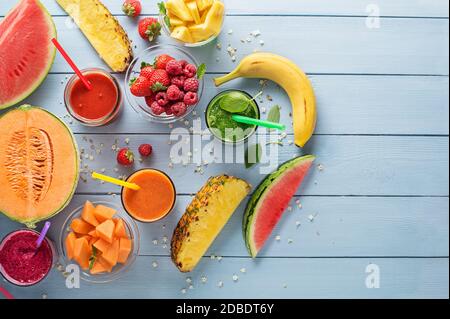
(21,262)
(98,106)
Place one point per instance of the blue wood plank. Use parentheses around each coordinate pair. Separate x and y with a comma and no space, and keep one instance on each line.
(264,278)
(343,226)
(400,8)
(324,45)
(346,105)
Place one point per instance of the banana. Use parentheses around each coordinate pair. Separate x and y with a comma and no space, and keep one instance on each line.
(291,78)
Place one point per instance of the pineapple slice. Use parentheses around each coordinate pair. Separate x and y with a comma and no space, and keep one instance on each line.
(192,6)
(204,4)
(179,8)
(102,30)
(203,17)
(214,18)
(175,22)
(200,32)
(182,33)
(204,218)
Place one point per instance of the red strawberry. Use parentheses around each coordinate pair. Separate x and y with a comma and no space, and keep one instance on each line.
(159,81)
(161,61)
(140,86)
(147,72)
(132,8)
(125,157)
(145,150)
(149,28)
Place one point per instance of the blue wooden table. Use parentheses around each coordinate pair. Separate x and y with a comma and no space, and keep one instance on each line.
(380,198)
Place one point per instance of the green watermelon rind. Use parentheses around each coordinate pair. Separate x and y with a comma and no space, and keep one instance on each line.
(45,73)
(31,223)
(260,192)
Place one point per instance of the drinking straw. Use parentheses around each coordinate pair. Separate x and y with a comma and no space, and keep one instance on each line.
(115,181)
(6,293)
(42,234)
(252,121)
(85,81)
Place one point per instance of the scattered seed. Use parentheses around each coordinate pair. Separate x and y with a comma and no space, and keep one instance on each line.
(154,264)
(220,284)
(243,270)
(189,280)
(235,278)
(183,291)
(320,167)
(204,279)
(278,238)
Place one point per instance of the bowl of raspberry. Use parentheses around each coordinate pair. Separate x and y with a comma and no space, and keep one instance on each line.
(164,83)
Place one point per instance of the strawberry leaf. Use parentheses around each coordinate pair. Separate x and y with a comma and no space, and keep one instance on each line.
(145,64)
(158,87)
(201,71)
(132,81)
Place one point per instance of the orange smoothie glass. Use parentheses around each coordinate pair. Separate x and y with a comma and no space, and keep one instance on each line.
(154,200)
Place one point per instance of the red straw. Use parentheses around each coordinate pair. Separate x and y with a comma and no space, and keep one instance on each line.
(86,83)
(5,293)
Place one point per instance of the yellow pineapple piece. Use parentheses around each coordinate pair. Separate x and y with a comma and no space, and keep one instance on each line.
(183,34)
(175,22)
(204,4)
(192,6)
(200,32)
(204,219)
(179,9)
(214,18)
(203,17)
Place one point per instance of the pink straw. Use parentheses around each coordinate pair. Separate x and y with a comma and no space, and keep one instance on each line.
(85,81)
(43,234)
(6,293)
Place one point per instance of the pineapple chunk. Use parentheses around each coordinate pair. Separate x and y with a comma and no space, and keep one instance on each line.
(203,17)
(204,218)
(102,30)
(200,32)
(192,6)
(214,18)
(182,33)
(179,9)
(175,22)
(204,4)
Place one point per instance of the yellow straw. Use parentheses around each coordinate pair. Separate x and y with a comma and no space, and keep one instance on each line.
(115,181)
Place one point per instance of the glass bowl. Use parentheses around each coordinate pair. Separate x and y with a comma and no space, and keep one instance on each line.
(120,269)
(149,55)
(167,31)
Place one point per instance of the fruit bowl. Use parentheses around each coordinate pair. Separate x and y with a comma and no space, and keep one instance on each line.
(120,269)
(148,56)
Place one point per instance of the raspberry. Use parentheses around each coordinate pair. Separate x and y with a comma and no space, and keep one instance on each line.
(174,68)
(190,70)
(145,150)
(173,93)
(168,109)
(162,98)
(157,109)
(179,81)
(181,98)
(191,98)
(191,85)
(183,63)
(179,109)
(149,100)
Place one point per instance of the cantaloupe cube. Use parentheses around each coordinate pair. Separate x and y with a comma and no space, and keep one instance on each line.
(103,213)
(124,250)
(81,227)
(70,245)
(93,233)
(105,230)
(82,252)
(88,214)
(92,241)
(112,254)
(120,231)
(102,245)
(104,263)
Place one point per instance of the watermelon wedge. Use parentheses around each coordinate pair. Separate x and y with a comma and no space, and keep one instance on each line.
(270,200)
(26,52)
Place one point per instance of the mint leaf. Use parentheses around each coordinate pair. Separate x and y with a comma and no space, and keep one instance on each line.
(234,102)
(93,258)
(253,155)
(162,8)
(201,71)
(167,21)
(274,114)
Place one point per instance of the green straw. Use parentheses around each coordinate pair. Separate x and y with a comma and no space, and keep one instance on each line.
(252,121)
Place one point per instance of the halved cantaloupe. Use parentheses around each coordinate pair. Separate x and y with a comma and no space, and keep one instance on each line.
(70,245)
(112,254)
(39,164)
(124,250)
(120,230)
(102,245)
(88,214)
(81,227)
(103,213)
(105,231)
(82,252)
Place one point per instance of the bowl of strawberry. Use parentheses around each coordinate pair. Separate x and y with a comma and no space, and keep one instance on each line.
(164,83)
